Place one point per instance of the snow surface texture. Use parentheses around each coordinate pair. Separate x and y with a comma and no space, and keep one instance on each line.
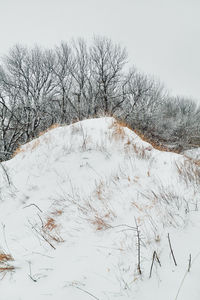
(70,204)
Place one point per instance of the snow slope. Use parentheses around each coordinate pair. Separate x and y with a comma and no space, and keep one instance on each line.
(70,204)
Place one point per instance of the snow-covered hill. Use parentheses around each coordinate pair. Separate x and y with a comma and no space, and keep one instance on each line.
(85,207)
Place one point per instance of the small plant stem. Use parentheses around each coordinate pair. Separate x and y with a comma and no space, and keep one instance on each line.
(190,260)
(32,204)
(172,252)
(153,259)
(138,248)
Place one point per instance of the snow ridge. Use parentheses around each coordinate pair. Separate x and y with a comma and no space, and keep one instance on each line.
(71,203)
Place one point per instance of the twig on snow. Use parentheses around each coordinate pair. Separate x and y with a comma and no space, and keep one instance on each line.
(172,252)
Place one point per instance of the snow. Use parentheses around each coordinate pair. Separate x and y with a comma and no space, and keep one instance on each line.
(193,153)
(70,203)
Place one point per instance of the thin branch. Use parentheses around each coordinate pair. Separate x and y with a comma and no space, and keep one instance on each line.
(172,252)
(153,259)
(86,292)
(40,234)
(4,235)
(32,204)
(190,260)
(6,173)
(138,248)
(30,273)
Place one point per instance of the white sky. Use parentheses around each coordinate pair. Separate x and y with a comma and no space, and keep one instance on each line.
(162,36)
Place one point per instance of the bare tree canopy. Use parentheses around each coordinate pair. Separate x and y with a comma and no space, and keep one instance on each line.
(77,80)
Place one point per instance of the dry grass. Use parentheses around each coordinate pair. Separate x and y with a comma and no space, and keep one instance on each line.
(50,232)
(123,124)
(50,224)
(128,143)
(4,265)
(157,145)
(97,209)
(17,151)
(5,257)
(142,152)
(144,207)
(99,191)
(57,212)
(6,268)
(189,171)
(169,206)
(53,126)
(100,223)
(171,200)
(35,144)
(75,129)
(119,133)
(140,208)
(169,197)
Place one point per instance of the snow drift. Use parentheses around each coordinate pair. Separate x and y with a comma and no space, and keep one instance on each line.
(90,211)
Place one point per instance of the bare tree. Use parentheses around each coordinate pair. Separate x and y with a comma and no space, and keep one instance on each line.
(108,61)
(40,87)
(64,81)
(30,73)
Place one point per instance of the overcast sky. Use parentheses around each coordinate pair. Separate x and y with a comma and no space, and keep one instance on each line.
(162,36)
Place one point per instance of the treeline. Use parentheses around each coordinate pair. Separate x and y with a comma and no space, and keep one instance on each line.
(74,81)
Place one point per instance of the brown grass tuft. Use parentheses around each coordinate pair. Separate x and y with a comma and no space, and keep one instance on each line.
(50,232)
(50,224)
(7,268)
(5,257)
(57,212)
(128,142)
(53,126)
(142,152)
(100,223)
(123,124)
(189,171)
(4,266)
(17,151)
(118,130)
